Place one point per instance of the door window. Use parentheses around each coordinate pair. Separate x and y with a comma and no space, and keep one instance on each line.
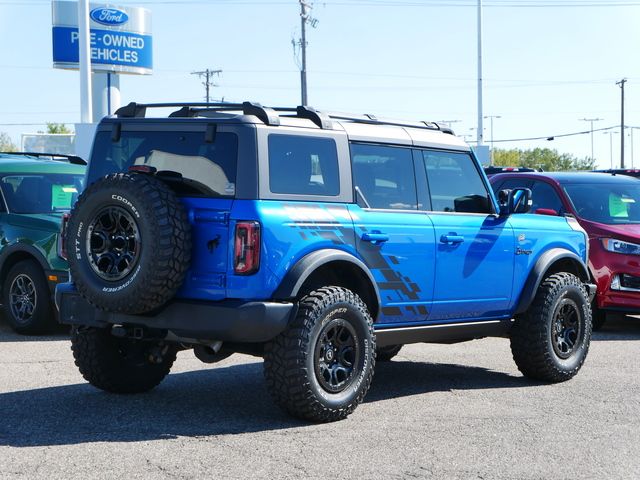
(384,176)
(455,183)
(544,196)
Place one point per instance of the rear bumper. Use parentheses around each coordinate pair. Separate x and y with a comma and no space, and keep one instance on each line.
(229,320)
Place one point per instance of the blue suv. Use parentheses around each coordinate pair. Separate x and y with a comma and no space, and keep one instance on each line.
(321,242)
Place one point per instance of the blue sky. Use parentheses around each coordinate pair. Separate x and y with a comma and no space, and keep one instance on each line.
(547,63)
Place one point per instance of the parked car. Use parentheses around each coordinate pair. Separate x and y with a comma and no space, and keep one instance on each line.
(36,190)
(608,208)
(631,172)
(493,170)
(313,240)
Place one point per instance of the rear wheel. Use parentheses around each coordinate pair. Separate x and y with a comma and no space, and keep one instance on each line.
(550,341)
(27,299)
(320,368)
(120,365)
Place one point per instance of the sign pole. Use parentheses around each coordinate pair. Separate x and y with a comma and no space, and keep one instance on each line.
(84,38)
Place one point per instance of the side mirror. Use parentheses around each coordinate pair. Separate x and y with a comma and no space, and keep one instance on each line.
(517,200)
(546,211)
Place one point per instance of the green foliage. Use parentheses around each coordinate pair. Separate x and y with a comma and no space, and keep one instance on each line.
(547,159)
(57,128)
(6,145)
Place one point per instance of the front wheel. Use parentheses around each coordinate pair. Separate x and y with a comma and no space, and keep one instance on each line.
(321,366)
(26,299)
(550,341)
(120,365)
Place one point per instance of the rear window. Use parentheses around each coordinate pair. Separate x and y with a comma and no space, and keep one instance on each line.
(303,165)
(192,165)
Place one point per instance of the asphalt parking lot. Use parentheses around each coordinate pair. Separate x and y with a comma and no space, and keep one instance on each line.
(436,411)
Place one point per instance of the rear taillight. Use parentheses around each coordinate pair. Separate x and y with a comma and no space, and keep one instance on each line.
(62,238)
(246,250)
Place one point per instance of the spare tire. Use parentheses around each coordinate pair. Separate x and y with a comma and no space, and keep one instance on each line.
(129,243)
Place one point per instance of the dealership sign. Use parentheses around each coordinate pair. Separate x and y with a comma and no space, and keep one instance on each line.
(120,38)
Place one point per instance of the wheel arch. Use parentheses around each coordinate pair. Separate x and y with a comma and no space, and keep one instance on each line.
(16,253)
(330,267)
(552,261)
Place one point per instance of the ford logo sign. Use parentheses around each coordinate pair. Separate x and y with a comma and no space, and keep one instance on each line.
(109,16)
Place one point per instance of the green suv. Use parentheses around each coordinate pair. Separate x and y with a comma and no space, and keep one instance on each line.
(36,191)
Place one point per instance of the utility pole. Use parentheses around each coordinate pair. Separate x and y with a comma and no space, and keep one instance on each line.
(208,79)
(491,117)
(591,120)
(621,83)
(305,17)
(480,126)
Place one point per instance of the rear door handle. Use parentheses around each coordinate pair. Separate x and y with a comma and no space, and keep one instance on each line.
(375,237)
(451,238)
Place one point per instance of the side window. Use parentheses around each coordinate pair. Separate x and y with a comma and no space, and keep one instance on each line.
(303,165)
(544,196)
(455,183)
(385,176)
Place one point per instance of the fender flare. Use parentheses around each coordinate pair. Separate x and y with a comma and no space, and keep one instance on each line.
(296,276)
(546,260)
(32,251)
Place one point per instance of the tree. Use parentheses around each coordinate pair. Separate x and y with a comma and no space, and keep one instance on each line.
(547,159)
(57,128)
(6,145)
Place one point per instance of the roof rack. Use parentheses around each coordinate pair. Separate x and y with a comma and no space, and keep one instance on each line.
(269,116)
(59,157)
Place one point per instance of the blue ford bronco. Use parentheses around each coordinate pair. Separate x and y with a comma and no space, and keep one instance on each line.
(320,242)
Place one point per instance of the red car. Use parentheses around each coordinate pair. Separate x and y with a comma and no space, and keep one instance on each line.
(608,208)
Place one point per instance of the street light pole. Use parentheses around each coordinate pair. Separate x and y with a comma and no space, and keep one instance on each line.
(480,116)
(611,134)
(621,84)
(591,120)
(491,117)
(84,39)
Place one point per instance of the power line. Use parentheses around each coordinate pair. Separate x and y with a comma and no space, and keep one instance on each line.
(553,137)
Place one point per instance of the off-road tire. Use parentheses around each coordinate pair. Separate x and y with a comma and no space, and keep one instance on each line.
(120,365)
(163,249)
(385,354)
(532,341)
(42,320)
(290,360)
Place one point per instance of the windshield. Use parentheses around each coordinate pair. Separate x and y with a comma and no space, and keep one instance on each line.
(612,204)
(41,193)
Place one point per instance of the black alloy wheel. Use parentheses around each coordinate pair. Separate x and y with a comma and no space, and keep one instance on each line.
(567,328)
(337,352)
(113,243)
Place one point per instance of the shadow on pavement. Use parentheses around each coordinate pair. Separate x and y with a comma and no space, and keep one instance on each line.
(220,401)
(619,327)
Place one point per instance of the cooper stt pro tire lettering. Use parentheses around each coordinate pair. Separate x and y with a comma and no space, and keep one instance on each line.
(129,243)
